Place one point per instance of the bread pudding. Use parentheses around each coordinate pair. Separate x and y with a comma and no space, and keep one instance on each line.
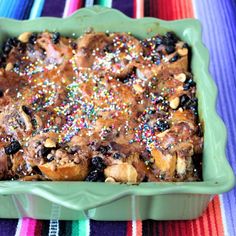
(104,107)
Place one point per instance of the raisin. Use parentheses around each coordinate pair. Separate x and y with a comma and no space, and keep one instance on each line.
(6,49)
(13,147)
(22,47)
(158,99)
(170,39)
(9,44)
(188,84)
(170,49)
(56,37)
(33,37)
(185,101)
(168,42)
(145,179)
(162,125)
(188,103)
(194,106)
(158,41)
(95,176)
(27,110)
(185,45)
(2,60)
(108,48)
(104,149)
(14,42)
(44,151)
(98,163)
(73,150)
(117,156)
(174,58)
(1,93)
(73,45)
(172,36)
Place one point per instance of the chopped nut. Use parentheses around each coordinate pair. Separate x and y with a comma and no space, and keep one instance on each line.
(24,37)
(166,163)
(110,180)
(53,167)
(77,160)
(138,88)
(181,77)
(162,134)
(181,165)
(122,173)
(174,103)
(182,51)
(9,66)
(49,143)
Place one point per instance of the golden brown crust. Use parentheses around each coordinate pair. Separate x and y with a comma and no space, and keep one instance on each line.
(65,172)
(103,106)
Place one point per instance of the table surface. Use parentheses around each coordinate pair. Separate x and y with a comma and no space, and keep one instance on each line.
(218,19)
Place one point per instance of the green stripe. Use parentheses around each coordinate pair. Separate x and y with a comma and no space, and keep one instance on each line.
(79,228)
(105,3)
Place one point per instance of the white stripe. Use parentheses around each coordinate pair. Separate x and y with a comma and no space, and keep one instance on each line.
(133,209)
(65,13)
(87,227)
(222,208)
(36,9)
(109,3)
(18,228)
(54,223)
(134,227)
(139,6)
(89,3)
(194,9)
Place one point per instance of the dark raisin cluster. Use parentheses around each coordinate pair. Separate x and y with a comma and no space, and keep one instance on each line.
(97,167)
(56,37)
(189,103)
(12,148)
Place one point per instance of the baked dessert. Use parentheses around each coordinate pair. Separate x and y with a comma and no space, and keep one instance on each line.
(101,107)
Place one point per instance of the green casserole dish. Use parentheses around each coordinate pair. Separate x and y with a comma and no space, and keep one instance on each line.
(106,201)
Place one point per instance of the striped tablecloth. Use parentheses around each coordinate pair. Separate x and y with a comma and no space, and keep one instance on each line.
(218,18)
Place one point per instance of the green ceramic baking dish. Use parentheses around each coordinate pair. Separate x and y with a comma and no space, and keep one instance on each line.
(104,201)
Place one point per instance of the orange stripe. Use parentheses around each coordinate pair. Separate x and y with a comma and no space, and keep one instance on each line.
(139,228)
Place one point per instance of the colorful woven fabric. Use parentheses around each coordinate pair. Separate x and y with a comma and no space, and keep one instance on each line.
(219,35)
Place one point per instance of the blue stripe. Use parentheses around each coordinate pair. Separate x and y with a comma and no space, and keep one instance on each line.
(18,9)
(219,34)
(36,9)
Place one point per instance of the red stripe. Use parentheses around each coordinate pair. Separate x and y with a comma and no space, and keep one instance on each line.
(129,228)
(218,216)
(171,10)
(196,227)
(38,228)
(160,229)
(211,220)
